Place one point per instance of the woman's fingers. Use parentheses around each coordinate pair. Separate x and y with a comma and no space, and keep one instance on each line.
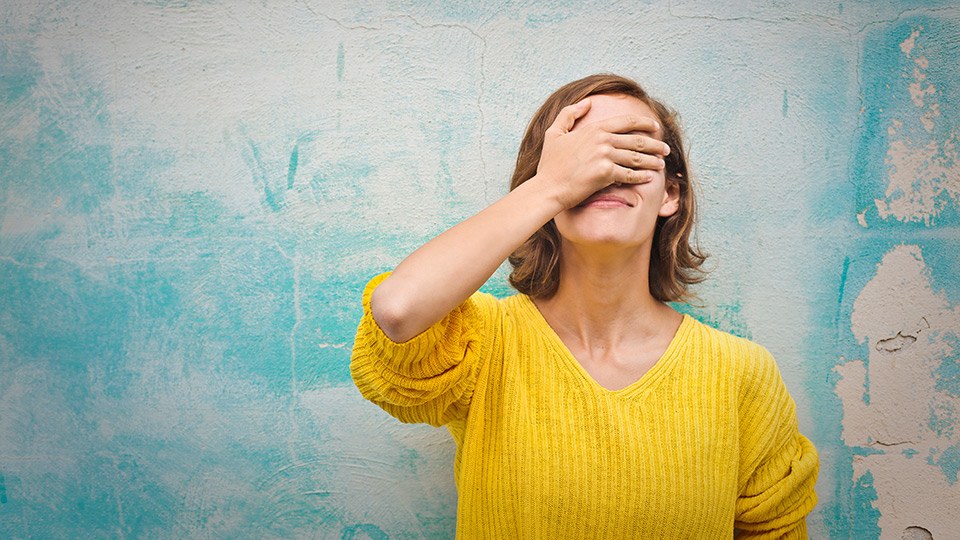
(640,142)
(568,116)
(626,175)
(629,123)
(636,160)
(581,161)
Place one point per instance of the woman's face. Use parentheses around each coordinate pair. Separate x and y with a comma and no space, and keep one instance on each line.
(620,214)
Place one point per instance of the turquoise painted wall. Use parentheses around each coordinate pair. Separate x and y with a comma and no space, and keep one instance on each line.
(192,195)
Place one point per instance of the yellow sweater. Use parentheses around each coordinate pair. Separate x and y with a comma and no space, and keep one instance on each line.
(705,442)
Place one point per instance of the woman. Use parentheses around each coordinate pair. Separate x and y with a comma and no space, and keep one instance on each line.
(585,406)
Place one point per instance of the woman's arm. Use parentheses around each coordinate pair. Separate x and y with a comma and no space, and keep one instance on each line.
(442,273)
(778,465)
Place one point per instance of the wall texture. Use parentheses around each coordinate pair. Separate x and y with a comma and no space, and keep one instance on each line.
(192,195)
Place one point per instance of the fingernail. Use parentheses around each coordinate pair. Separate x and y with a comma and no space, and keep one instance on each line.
(667,153)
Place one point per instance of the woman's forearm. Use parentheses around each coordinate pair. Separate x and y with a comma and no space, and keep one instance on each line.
(445,271)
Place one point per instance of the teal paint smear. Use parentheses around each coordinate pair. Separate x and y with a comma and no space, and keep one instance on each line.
(865,517)
(255,313)
(409,460)
(843,280)
(865,451)
(942,421)
(57,313)
(834,207)
(335,331)
(363,530)
(843,284)
(785,107)
(948,372)
(292,168)
(339,180)
(3,489)
(193,215)
(341,61)
(18,73)
(307,137)
(58,164)
(949,463)
(258,169)
(536,21)
(941,257)
(69,155)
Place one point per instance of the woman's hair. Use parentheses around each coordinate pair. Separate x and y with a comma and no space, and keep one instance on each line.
(675,263)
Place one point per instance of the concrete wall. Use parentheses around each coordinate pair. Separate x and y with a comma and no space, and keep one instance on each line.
(194,193)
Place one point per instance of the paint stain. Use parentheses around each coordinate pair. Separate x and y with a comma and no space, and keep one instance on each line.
(3,489)
(260,174)
(948,374)
(341,58)
(843,286)
(942,420)
(949,463)
(864,512)
(292,169)
(363,531)
(786,104)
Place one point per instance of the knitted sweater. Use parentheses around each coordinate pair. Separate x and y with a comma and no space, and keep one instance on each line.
(705,442)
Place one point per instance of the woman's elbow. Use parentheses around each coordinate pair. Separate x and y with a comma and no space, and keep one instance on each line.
(391,315)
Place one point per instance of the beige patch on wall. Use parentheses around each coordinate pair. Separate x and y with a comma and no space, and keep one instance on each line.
(888,401)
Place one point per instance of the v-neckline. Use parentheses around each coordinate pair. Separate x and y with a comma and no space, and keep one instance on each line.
(647,381)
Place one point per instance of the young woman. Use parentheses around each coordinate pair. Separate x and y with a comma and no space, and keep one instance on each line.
(585,406)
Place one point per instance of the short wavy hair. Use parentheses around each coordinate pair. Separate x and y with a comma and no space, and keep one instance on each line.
(675,261)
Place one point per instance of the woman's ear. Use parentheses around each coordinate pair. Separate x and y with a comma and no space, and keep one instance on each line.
(671,198)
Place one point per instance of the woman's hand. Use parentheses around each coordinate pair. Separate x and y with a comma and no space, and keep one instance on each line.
(578,163)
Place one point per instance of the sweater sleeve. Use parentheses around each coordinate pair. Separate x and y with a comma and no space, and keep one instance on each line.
(430,378)
(778,465)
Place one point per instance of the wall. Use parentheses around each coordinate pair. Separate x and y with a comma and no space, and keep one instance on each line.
(194,193)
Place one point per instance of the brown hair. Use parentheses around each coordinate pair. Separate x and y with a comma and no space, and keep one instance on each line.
(675,263)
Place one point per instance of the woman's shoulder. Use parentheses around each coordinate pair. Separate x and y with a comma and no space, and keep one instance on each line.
(723,339)
(732,351)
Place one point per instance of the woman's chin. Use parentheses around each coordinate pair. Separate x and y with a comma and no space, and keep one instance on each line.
(604,228)
(605,239)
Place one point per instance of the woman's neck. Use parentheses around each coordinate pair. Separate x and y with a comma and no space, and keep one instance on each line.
(605,299)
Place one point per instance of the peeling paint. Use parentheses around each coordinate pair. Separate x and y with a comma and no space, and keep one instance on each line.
(921,163)
(905,406)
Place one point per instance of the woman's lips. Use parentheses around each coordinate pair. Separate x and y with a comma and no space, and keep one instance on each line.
(606,200)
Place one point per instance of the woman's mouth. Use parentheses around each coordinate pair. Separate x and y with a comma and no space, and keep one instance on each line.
(607,200)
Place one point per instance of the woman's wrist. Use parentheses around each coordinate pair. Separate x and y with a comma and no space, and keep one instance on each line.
(546,194)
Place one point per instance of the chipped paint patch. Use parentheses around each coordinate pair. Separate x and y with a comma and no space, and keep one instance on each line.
(892,401)
(923,167)
(907,164)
